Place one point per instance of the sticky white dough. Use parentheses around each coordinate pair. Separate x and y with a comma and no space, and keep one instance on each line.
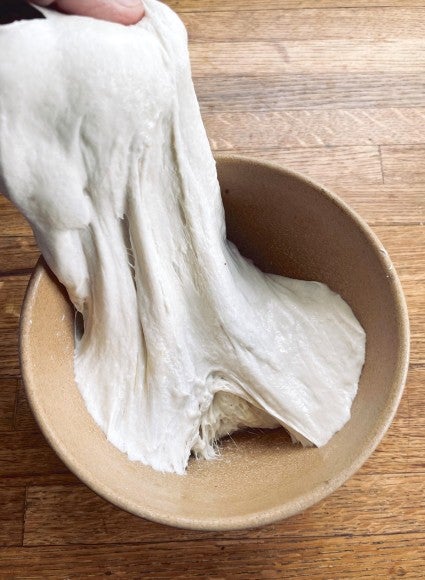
(102,147)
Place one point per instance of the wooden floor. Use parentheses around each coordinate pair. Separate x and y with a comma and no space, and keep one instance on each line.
(333,88)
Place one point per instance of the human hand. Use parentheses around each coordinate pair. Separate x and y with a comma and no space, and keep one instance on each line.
(121,11)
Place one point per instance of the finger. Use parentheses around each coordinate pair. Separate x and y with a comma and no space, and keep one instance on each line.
(122,11)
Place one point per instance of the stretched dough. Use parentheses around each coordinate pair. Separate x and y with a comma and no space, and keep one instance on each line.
(102,147)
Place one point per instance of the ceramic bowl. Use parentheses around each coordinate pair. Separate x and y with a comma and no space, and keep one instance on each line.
(287,225)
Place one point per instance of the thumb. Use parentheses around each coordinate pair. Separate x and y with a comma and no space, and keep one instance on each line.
(121,11)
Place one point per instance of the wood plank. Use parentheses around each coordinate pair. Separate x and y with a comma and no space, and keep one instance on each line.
(393,455)
(13,223)
(329,24)
(27,455)
(416,447)
(24,419)
(407,257)
(12,502)
(403,164)
(9,357)
(370,557)
(416,395)
(302,57)
(17,253)
(337,165)
(288,129)
(65,515)
(344,90)
(12,290)
(8,395)
(39,479)
(401,450)
(383,204)
(183,6)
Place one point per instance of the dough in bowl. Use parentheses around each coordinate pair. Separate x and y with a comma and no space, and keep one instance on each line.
(102,147)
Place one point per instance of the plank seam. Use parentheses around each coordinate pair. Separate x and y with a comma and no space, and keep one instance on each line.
(320,8)
(223,538)
(24,514)
(16,273)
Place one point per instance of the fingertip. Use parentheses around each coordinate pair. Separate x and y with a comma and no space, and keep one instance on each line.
(121,11)
(130,13)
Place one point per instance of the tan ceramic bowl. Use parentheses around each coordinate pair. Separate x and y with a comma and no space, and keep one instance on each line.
(287,225)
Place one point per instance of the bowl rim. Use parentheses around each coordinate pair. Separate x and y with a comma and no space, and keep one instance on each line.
(295,505)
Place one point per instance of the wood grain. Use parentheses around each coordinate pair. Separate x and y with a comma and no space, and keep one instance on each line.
(416,395)
(332,88)
(344,90)
(401,449)
(26,459)
(408,259)
(12,502)
(12,222)
(392,454)
(329,24)
(403,164)
(381,205)
(316,128)
(416,447)
(17,254)
(12,290)
(23,418)
(183,6)
(365,557)
(261,58)
(75,515)
(27,455)
(40,479)
(334,165)
(8,396)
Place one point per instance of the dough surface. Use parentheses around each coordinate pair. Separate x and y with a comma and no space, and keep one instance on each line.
(102,147)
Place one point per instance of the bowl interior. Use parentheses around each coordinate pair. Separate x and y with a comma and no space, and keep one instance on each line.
(289,226)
